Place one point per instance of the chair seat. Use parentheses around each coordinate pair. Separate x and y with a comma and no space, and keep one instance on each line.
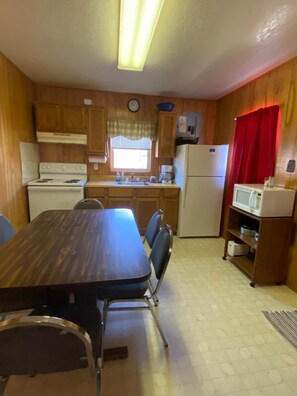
(122,292)
(86,316)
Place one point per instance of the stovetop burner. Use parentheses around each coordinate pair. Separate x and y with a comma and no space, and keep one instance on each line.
(43,180)
(72,181)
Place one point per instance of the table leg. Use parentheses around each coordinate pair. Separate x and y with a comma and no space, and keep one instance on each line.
(85,294)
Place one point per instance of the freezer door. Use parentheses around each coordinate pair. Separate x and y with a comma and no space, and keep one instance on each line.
(200,207)
(206,160)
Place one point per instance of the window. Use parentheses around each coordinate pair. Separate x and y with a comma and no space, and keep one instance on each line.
(130,155)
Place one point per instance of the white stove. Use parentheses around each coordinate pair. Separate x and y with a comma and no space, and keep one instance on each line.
(60,186)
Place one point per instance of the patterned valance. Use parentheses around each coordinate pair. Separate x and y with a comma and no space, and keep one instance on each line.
(133,130)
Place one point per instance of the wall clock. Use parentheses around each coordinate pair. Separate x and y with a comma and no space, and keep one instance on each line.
(133,105)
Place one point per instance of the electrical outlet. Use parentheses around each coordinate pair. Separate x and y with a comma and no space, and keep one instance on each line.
(291,165)
(88,102)
(95,166)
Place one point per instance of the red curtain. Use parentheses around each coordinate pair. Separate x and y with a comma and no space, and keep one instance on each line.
(254,150)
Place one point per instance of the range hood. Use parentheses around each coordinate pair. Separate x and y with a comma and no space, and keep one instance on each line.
(61,137)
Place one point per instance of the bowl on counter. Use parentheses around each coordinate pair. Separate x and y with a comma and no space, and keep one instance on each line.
(165,106)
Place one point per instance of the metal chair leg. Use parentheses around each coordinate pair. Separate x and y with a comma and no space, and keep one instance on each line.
(105,311)
(156,322)
(154,296)
(103,323)
(98,378)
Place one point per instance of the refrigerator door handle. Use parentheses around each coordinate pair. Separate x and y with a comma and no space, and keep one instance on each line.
(185,194)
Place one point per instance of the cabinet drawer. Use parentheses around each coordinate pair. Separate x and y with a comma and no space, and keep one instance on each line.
(95,192)
(147,192)
(120,192)
(170,192)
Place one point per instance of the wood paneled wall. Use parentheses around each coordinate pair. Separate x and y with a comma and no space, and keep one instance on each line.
(116,107)
(276,87)
(17,95)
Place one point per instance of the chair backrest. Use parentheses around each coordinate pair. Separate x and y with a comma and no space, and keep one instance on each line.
(153,228)
(160,253)
(88,203)
(6,230)
(42,344)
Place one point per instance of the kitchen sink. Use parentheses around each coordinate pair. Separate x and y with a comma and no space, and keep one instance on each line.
(133,183)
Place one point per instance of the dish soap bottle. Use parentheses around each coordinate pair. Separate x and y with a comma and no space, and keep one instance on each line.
(118,177)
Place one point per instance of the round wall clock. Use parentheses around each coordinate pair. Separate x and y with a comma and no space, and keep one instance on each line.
(133,105)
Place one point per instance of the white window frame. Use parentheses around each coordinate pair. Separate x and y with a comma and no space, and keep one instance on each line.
(126,169)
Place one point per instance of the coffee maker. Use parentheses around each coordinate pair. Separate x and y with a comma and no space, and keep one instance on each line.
(167,174)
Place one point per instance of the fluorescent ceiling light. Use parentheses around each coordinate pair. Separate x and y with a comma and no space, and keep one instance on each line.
(138,21)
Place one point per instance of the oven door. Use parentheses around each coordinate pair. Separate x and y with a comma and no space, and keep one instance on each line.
(47,198)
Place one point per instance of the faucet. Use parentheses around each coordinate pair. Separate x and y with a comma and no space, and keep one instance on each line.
(132,176)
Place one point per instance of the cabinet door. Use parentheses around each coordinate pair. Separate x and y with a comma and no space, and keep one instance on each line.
(124,203)
(48,118)
(145,208)
(73,119)
(98,193)
(96,130)
(165,147)
(170,209)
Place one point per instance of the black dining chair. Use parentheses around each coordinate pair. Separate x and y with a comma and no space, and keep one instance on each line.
(6,230)
(51,340)
(88,203)
(151,232)
(141,292)
(153,228)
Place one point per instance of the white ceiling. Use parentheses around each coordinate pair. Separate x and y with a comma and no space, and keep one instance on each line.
(201,48)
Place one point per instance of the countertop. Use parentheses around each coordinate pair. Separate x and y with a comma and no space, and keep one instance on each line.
(108,183)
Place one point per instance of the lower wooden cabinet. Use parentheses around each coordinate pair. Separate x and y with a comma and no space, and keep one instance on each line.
(169,205)
(99,193)
(143,202)
(170,209)
(127,203)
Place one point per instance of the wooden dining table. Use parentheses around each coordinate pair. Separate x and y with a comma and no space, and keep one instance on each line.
(76,250)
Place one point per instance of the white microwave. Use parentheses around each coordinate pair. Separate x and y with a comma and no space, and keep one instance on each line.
(264,201)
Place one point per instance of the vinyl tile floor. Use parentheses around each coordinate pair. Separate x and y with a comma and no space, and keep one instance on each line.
(219,340)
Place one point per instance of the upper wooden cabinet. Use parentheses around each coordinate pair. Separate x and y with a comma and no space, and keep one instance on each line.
(165,146)
(48,117)
(73,119)
(96,129)
(60,118)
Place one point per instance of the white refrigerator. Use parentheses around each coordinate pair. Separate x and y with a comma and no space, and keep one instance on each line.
(200,172)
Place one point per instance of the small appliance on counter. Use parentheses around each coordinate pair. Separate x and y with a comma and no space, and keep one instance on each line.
(167,174)
(264,201)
